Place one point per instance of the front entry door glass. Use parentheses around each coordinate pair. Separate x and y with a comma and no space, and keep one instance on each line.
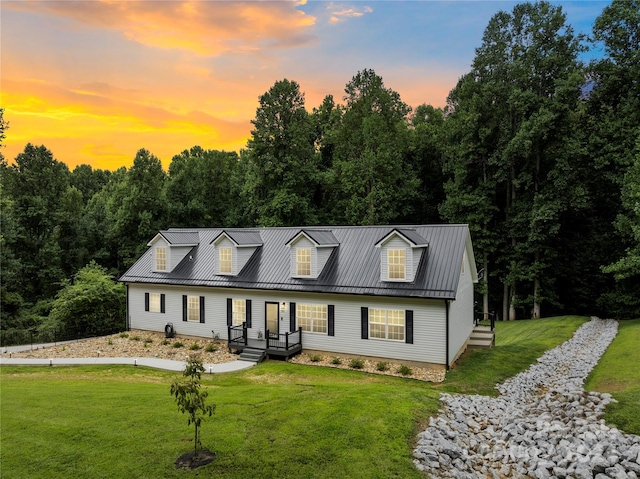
(271,316)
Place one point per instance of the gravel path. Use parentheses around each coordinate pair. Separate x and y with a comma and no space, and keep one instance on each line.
(543,425)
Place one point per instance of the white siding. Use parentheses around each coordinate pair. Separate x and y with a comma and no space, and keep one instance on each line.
(461,312)
(244,254)
(429,328)
(177,254)
(323,257)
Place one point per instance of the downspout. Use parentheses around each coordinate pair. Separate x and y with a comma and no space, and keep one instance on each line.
(128,322)
(446,361)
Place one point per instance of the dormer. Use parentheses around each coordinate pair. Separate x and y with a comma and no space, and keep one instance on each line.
(309,252)
(400,254)
(170,247)
(233,249)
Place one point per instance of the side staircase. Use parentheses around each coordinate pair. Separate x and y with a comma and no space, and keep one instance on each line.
(482,337)
(253,355)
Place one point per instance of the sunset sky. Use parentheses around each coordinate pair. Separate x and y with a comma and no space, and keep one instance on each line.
(95,81)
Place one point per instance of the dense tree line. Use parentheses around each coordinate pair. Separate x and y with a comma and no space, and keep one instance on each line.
(538,152)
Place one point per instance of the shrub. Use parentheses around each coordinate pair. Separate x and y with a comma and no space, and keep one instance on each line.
(316,358)
(124,335)
(210,348)
(178,344)
(134,338)
(404,370)
(194,347)
(336,360)
(356,363)
(110,342)
(382,366)
(148,341)
(165,342)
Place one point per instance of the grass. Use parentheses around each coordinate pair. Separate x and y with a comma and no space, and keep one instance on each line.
(618,373)
(518,344)
(284,420)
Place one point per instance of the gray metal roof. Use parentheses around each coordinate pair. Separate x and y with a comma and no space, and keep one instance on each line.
(353,267)
(242,237)
(320,237)
(178,237)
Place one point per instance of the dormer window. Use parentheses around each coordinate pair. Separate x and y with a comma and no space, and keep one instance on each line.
(225,257)
(303,261)
(161,258)
(396,262)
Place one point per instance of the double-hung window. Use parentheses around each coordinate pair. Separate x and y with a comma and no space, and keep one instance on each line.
(193,308)
(154,302)
(387,324)
(161,258)
(396,263)
(239,311)
(303,262)
(312,317)
(225,256)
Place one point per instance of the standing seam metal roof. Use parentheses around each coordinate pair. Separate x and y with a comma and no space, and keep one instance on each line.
(353,267)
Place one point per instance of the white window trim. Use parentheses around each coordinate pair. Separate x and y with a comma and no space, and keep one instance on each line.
(238,317)
(166,258)
(404,264)
(193,310)
(154,302)
(313,319)
(220,261)
(299,263)
(386,325)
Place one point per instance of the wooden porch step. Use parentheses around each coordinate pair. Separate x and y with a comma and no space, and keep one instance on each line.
(482,338)
(252,355)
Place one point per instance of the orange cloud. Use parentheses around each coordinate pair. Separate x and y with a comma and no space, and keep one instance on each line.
(95,125)
(208,28)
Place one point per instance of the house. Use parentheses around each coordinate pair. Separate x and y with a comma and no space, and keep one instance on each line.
(394,292)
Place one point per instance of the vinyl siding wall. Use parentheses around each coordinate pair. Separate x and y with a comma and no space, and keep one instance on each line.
(177,254)
(461,312)
(429,329)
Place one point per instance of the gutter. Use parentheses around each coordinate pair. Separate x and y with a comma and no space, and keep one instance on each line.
(446,360)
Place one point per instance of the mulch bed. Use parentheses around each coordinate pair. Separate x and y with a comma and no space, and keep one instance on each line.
(190,461)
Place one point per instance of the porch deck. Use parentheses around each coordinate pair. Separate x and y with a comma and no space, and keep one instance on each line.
(281,345)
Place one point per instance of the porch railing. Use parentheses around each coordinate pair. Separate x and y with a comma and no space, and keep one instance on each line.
(284,341)
(482,319)
(237,335)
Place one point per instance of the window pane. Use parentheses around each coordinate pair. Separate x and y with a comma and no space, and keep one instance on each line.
(193,308)
(239,311)
(303,315)
(319,318)
(161,259)
(154,302)
(396,263)
(303,261)
(225,255)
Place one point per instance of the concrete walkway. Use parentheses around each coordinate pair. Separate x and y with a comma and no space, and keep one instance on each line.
(165,364)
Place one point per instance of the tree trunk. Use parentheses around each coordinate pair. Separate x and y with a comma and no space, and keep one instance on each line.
(512,306)
(505,302)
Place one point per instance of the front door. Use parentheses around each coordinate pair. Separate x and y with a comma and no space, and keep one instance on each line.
(272,311)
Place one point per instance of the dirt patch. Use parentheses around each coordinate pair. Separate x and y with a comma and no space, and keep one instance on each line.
(191,460)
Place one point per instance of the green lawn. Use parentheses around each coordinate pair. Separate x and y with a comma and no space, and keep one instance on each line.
(618,373)
(277,420)
(518,344)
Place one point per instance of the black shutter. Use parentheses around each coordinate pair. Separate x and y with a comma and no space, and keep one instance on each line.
(229,312)
(146,301)
(162,304)
(330,320)
(364,323)
(247,310)
(292,317)
(184,307)
(202,309)
(408,326)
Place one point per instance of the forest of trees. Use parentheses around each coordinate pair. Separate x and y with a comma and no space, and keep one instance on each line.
(536,150)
